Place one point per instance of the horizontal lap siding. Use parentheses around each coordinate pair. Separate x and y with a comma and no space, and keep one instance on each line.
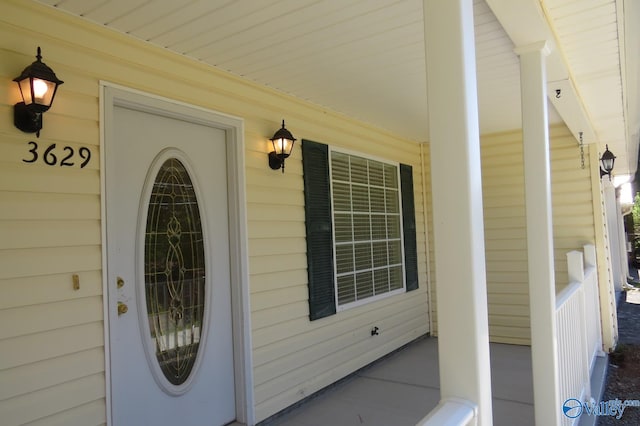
(573,215)
(52,361)
(50,227)
(505,224)
(505,237)
(295,357)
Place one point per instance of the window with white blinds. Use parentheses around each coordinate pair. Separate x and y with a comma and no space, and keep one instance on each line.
(367,219)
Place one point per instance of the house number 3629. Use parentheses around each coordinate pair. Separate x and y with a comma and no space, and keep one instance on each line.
(65,156)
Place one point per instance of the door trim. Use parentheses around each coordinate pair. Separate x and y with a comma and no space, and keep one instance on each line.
(112,95)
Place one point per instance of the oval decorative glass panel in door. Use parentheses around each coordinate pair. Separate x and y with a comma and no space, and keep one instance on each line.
(174,271)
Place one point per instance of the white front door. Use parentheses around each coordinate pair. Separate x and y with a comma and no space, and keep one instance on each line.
(168,270)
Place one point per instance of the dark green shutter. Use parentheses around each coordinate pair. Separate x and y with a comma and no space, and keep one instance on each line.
(317,206)
(409,227)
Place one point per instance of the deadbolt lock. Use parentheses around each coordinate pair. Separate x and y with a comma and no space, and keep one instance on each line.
(122,308)
(119,282)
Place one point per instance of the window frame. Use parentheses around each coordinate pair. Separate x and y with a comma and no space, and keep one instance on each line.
(398,188)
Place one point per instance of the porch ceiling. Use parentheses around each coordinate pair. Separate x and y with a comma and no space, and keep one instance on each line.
(365,58)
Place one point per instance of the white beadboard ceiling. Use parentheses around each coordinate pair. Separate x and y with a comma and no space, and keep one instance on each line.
(365,58)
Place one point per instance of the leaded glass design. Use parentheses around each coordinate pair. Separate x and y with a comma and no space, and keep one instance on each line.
(174,271)
(367,233)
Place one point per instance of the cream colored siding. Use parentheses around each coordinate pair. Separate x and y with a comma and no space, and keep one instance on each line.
(294,357)
(505,224)
(573,216)
(52,361)
(505,237)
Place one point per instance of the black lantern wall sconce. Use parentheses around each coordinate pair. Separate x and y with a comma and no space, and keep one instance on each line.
(282,142)
(38,85)
(606,163)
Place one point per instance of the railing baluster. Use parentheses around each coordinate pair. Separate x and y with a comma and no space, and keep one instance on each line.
(577,316)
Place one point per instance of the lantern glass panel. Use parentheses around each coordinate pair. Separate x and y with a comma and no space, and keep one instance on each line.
(25,91)
(42,94)
(282,146)
(43,91)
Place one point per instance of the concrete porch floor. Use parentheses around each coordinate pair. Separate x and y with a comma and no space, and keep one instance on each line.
(402,388)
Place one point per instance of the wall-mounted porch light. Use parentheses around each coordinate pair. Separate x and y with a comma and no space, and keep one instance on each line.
(282,142)
(38,85)
(606,162)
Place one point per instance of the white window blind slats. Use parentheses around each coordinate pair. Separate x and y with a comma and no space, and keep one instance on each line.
(364,285)
(368,243)
(340,167)
(362,227)
(381,280)
(393,226)
(377,201)
(360,198)
(395,252)
(344,259)
(380,257)
(342,196)
(390,176)
(359,170)
(391,198)
(343,227)
(376,173)
(346,289)
(378,227)
(362,256)
(395,277)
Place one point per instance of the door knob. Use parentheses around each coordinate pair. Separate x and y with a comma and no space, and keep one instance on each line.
(122,308)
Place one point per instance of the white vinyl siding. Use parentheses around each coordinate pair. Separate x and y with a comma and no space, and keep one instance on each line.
(367,219)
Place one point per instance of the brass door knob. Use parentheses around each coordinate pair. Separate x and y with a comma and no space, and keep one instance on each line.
(122,308)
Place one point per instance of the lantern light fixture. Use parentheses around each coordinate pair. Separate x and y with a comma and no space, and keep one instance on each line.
(606,163)
(282,143)
(38,85)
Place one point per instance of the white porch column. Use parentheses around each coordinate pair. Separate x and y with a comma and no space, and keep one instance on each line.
(606,291)
(537,176)
(463,331)
(622,239)
(612,208)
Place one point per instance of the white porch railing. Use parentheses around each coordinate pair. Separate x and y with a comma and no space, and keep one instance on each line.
(579,341)
(578,327)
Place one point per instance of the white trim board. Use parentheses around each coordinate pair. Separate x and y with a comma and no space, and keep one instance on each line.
(112,95)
